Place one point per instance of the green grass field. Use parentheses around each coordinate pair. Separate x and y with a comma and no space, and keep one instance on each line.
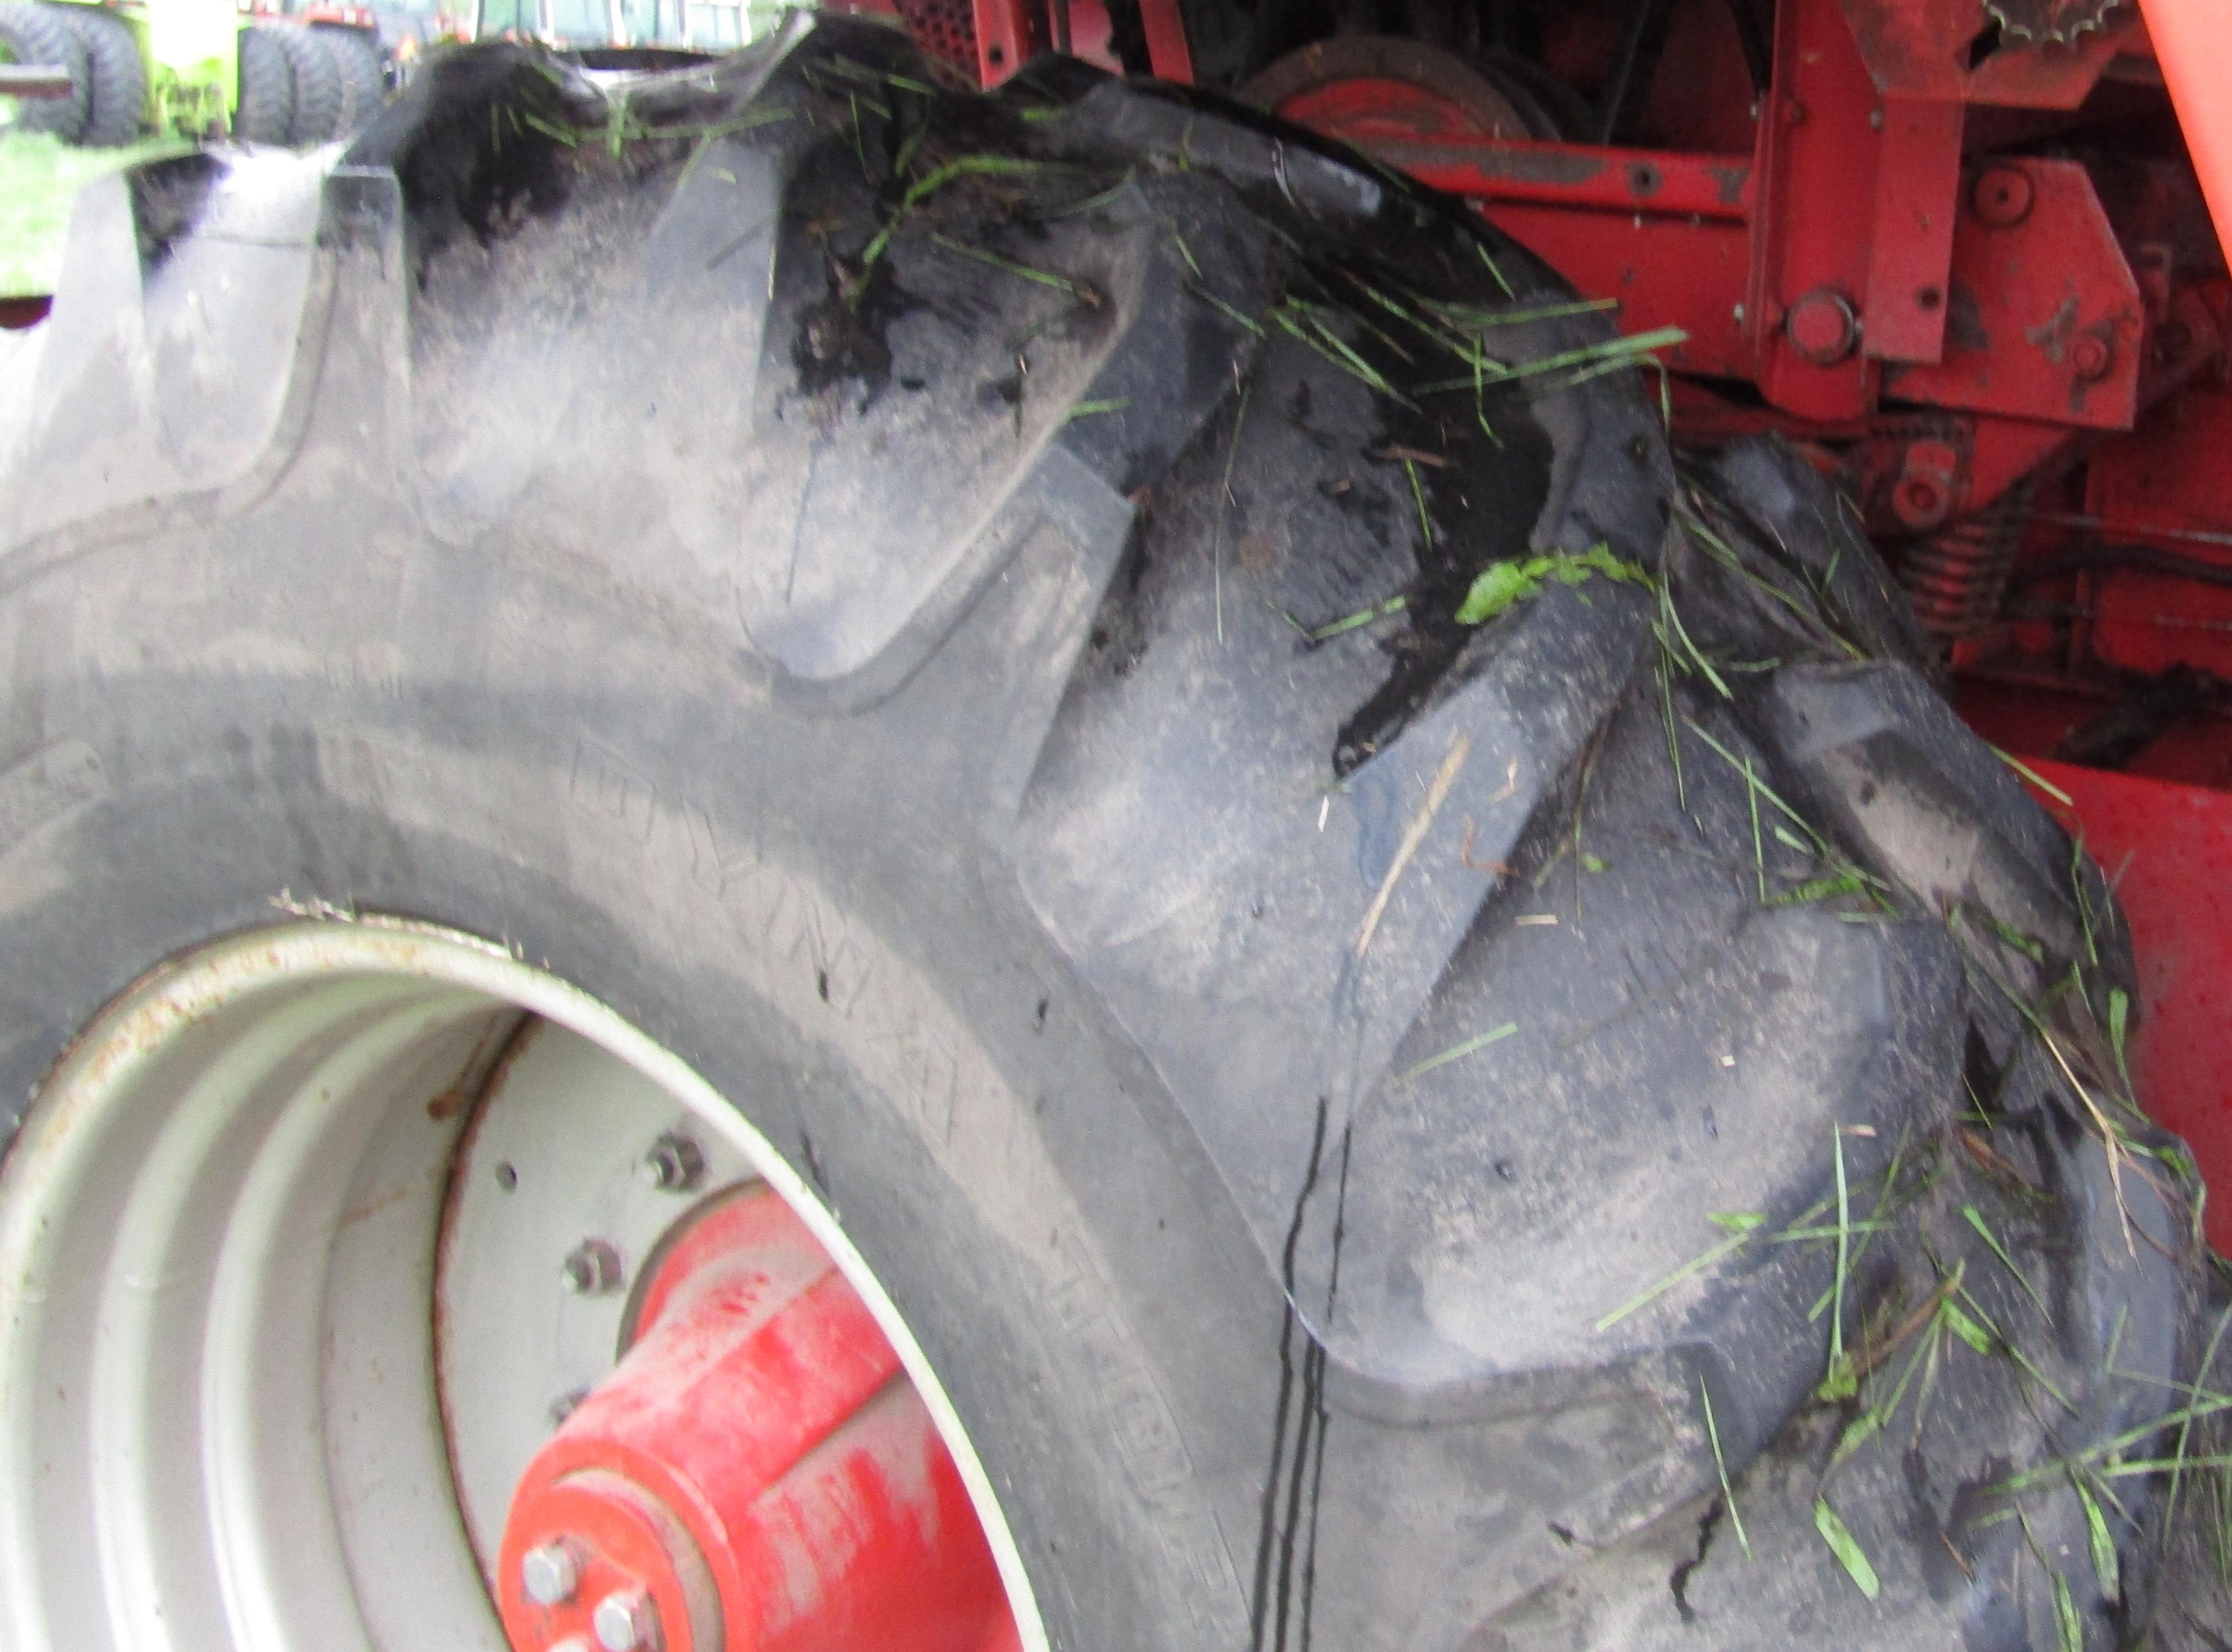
(39,179)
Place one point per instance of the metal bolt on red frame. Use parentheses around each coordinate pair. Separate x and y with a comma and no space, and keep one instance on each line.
(2091,356)
(1928,486)
(1822,327)
(2002,197)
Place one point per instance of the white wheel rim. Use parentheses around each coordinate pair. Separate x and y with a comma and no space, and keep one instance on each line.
(219,1426)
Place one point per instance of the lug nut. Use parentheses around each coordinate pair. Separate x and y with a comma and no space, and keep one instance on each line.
(1927,485)
(2092,357)
(674,1163)
(549,1574)
(1921,501)
(2002,197)
(626,1621)
(592,1268)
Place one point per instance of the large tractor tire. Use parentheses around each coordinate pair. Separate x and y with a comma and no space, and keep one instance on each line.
(34,34)
(116,76)
(266,111)
(1415,1017)
(321,94)
(363,84)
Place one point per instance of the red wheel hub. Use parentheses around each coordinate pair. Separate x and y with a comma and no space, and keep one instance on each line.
(757,1475)
(1367,87)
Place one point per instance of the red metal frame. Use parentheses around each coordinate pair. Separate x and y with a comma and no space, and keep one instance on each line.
(331,17)
(1168,54)
(1922,48)
(1924,298)
(1009,33)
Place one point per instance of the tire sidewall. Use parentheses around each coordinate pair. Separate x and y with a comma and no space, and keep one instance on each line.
(359,60)
(265,112)
(321,95)
(117,81)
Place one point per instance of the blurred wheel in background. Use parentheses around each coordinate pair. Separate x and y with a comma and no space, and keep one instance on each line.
(32,34)
(116,78)
(266,114)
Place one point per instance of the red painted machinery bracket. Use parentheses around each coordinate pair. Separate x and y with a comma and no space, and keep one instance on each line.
(2045,317)
(1009,33)
(1817,142)
(1911,239)
(1924,48)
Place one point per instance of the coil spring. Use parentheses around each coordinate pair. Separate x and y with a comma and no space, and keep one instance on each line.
(1955,578)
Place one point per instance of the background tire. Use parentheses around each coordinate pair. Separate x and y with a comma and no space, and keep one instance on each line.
(320,92)
(266,114)
(34,32)
(365,85)
(1322,1100)
(117,78)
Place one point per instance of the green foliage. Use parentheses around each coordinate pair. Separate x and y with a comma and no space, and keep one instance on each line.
(1458,1052)
(1846,1547)
(2105,1565)
(1503,586)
